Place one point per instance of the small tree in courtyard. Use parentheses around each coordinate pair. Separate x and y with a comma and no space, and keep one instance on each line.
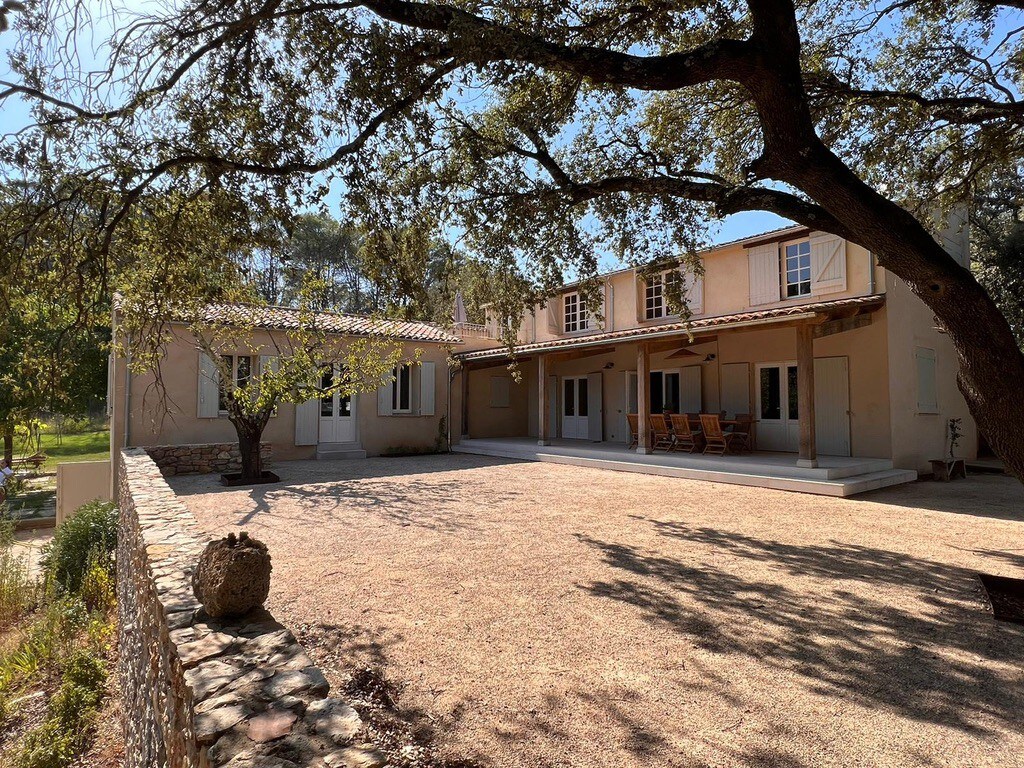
(303,362)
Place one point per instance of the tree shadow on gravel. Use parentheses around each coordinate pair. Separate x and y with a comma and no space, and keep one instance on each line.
(843,642)
(354,660)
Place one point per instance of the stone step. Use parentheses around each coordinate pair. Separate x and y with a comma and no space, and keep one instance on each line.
(747,471)
(339,451)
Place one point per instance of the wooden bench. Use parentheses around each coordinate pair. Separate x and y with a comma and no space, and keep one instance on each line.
(947,469)
(36,461)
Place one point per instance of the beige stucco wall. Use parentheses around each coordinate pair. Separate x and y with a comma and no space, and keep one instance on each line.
(864,347)
(79,483)
(152,420)
(919,437)
(726,291)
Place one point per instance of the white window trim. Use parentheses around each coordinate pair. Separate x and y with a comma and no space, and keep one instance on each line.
(582,315)
(661,278)
(784,272)
(396,393)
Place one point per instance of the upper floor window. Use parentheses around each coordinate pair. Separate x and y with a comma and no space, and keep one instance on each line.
(656,294)
(575,313)
(797,269)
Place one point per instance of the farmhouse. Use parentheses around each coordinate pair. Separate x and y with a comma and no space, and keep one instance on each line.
(833,377)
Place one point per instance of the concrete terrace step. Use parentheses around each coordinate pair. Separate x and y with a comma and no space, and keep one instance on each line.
(844,477)
(339,451)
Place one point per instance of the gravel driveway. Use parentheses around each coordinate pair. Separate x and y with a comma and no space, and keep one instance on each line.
(545,615)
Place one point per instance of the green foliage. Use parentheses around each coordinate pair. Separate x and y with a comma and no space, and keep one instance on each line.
(18,591)
(70,714)
(85,540)
(52,635)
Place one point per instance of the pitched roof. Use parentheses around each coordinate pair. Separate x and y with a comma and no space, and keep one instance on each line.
(287,318)
(721,322)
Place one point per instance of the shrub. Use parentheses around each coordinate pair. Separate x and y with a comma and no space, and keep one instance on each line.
(17,589)
(69,716)
(98,584)
(87,537)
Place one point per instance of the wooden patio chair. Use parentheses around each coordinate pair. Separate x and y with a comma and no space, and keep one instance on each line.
(687,438)
(742,433)
(715,440)
(661,437)
(634,429)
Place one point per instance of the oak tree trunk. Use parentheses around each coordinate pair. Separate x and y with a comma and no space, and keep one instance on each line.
(249,428)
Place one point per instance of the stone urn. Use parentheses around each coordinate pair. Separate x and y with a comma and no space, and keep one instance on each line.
(232,576)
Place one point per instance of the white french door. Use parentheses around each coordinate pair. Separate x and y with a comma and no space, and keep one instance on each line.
(778,413)
(575,407)
(778,425)
(337,412)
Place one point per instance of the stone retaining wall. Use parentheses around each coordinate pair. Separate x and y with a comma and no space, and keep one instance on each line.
(200,458)
(200,693)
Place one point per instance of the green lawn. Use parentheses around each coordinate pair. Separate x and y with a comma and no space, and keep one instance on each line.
(87,446)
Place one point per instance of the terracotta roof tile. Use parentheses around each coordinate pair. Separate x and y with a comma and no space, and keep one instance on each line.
(781,314)
(287,318)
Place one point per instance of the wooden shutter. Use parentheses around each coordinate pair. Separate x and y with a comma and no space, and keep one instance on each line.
(927,388)
(695,292)
(763,263)
(690,400)
(828,263)
(307,422)
(385,397)
(555,314)
(735,388)
(595,409)
(209,388)
(269,363)
(428,387)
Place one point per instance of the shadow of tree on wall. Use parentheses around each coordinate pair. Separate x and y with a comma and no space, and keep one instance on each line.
(925,649)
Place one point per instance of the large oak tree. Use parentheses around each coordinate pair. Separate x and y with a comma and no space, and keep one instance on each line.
(546,133)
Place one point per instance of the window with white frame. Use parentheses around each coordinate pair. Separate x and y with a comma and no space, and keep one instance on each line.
(401,393)
(796,269)
(656,294)
(575,313)
(241,372)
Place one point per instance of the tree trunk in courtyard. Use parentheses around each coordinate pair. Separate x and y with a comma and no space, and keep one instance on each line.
(250,434)
(9,445)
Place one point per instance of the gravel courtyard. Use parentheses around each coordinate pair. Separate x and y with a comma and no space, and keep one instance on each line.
(545,615)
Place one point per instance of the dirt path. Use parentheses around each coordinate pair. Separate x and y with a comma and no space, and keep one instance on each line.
(544,615)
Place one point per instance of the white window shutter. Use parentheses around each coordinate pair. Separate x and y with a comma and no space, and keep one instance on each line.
(269,363)
(763,262)
(927,388)
(828,263)
(555,310)
(695,293)
(690,395)
(428,387)
(735,384)
(209,388)
(307,422)
(385,395)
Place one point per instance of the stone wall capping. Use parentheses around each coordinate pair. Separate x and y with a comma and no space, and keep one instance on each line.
(207,692)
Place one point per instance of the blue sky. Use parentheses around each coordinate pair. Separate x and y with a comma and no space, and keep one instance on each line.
(16,114)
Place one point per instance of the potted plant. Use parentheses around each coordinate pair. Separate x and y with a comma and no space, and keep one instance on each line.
(951,467)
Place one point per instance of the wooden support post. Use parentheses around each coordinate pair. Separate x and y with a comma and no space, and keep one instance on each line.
(805,394)
(464,374)
(643,398)
(543,438)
